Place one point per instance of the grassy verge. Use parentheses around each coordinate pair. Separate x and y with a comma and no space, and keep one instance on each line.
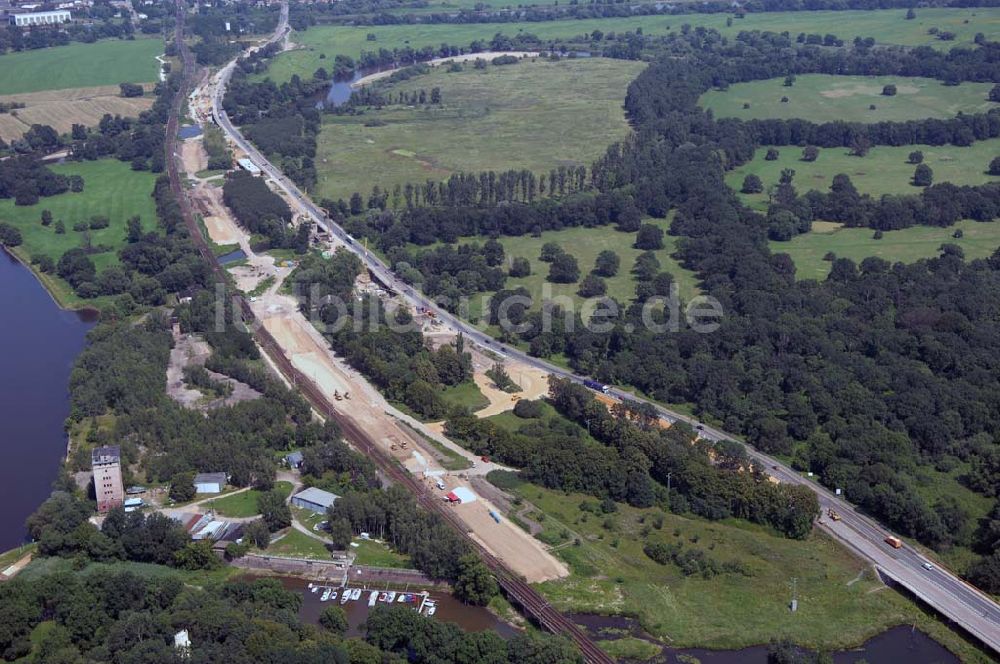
(825,98)
(41,567)
(498,118)
(298,545)
(449,459)
(244,504)
(377,554)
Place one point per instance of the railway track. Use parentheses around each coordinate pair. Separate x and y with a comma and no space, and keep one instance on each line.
(516,589)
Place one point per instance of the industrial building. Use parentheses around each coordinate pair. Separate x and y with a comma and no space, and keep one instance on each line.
(209,482)
(107,466)
(28,19)
(313,499)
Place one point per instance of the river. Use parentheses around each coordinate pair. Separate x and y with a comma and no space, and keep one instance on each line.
(38,344)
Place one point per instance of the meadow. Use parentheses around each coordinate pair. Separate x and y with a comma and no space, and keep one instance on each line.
(77,65)
(111,189)
(534,115)
(840,602)
(244,504)
(584,244)
(979,240)
(884,170)
(886,26)
(825,98)
(61,109)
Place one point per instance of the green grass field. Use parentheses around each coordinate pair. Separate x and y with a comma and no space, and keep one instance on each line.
(107,62)
(299,545)
(112,189)
(377,554)
(884,170)
(979,240)
(841,604)
(584,244)
(886,26)
(825,98)
(535,115)
(244,504)
(466,395)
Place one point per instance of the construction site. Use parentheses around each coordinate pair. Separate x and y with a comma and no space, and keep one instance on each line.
(404,438)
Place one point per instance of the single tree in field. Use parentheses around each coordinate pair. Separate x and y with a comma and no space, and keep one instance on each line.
(592,286)
(772,154)
(46,217)
(564,270)
(789,80)
(889,90)
(752,185)
(607,263)
(650,237)
(810,153)
(923,176)
(860,146)
(520,267)
(994,166)
(549,252)
(915,157)
(646,266)
(910,14)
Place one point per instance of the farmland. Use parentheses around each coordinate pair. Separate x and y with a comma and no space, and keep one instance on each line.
(535,115)
(886,26)
(884,170)
(77,65)
(978,240)
(60,109)
(825,98)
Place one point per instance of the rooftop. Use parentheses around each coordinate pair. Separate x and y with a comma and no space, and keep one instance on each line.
(317,496)
(209,478)
(106,454)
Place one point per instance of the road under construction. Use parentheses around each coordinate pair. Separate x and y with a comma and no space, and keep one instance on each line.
(516,589)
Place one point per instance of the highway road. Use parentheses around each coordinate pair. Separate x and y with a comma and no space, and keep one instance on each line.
(940,588)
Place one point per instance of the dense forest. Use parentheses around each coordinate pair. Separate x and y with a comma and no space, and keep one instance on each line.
(871,378)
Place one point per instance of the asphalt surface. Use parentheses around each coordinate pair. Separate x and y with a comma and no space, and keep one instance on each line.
(941,589)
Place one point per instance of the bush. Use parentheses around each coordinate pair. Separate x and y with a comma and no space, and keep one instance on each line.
(564,270)
(528,408)
(520,267)
(10,236)
(649,238)
(752,185)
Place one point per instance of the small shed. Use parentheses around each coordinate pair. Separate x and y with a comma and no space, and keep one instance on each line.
(294,459)
(209,482)
(313,499)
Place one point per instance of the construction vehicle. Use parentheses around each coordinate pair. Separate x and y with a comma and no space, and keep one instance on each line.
(336,395)
(832,513)
(347,395)
(894,542)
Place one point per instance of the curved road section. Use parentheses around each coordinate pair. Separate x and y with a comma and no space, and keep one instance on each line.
(963,604)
